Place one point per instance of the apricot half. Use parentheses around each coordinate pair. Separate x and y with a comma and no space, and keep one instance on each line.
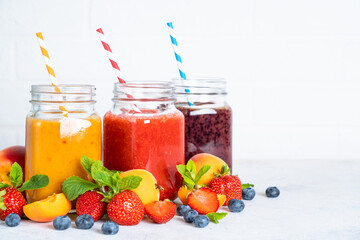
(183,193)
(48,209)
(148,190)
(202,159)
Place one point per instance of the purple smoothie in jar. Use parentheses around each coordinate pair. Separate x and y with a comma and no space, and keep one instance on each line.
(208,121)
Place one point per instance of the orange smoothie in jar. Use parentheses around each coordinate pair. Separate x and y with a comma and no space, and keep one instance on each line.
(55,147)
(61,127)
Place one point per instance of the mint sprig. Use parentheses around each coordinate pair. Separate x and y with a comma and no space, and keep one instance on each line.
(75,186)
(215,217)
(190,175)
(16,179)
(246,185)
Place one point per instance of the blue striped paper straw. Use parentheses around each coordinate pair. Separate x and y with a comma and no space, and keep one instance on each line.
(177,55)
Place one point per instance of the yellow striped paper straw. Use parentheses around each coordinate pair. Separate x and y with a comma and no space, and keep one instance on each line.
(50,68)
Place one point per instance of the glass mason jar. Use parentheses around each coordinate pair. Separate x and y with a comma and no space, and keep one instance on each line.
(55,141)
(144,130)
(208,117)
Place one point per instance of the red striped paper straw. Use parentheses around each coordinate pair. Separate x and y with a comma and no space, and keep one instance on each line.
(114,64)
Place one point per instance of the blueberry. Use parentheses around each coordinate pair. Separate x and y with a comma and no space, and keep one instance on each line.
(62,223)
(272,192)
(110,228)
(248,193)
(84,221)
(189,215)
(182,209)
(236,205)
(201,221)
(12,220)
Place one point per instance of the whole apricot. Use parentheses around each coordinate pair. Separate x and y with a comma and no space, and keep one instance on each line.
(148,190)
(216,164)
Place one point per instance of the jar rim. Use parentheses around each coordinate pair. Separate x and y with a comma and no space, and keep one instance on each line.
(200,86)
(202,79)
(145,84)
(64,89)
(144,91)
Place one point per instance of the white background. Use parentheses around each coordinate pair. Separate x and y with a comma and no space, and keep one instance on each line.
(293,67)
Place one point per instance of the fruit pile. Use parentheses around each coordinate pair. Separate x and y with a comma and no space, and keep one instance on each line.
(127,197)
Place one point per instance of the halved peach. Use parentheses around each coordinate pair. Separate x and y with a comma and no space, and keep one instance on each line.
(48,209)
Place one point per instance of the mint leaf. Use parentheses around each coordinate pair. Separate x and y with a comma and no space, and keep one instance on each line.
(215,217)
(116,182)
(191,168)
(130,182)
(2,185)
(181,169)
(201,172)
(188,173)
(74,186)
(35,182)
(16,175)
(246,185)
(100,175)
(86,163)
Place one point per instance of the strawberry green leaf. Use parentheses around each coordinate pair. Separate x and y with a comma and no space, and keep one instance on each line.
(246,185)
(2,204)
(35,182)
(74,186)
(86,163)
(130,182)
(225,170)
(16,175)
(2,185)
(201,173)
(215,217)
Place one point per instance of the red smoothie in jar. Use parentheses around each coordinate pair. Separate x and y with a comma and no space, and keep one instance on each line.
(150,140)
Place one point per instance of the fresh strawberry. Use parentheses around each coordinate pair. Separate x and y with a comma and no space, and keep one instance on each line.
(11,201)
(228,185)
(160,211)
(90,203)
(126,208)
(203,200)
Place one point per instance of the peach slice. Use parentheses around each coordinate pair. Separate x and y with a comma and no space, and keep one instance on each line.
(148,190)
(222,199)
(202,159)
(48,209)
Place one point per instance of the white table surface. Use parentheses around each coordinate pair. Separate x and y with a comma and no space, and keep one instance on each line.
(318,200)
